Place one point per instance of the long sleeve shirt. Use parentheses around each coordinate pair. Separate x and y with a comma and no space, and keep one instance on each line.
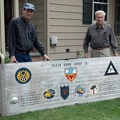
(23,36)
(100,38)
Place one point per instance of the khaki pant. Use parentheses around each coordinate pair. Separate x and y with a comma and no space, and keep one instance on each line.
(101,53)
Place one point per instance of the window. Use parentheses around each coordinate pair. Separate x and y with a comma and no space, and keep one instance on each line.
(90,7)
(117,17)
(100,5)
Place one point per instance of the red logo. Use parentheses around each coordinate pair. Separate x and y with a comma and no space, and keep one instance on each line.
(71,73)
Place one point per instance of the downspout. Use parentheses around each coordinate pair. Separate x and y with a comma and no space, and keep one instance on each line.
(46,15)
(16,8)
(2,30)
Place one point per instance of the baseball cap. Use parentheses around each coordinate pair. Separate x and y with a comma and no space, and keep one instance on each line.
(29,6)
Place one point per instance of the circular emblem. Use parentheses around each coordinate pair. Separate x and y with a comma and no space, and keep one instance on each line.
(23,75)
(50,93)
(14,100)
(79,90)
(93,89)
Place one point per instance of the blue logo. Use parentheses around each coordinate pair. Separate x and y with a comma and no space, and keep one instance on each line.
(79,90)
(64,92)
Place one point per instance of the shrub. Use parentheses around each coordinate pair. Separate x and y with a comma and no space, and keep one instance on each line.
(7,60)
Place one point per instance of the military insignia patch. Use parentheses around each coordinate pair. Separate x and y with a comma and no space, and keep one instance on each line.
(23,75)
(93,89)
(64,92)
(71,73)
(50,93)
(80,90)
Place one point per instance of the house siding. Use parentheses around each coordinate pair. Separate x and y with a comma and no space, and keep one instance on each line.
(65,22)
(118,39)
(62,18)
(112,20)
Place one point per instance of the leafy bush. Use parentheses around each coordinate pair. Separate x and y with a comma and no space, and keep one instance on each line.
(7,60)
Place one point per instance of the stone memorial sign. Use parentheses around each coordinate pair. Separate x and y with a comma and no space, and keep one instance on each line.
(48,84)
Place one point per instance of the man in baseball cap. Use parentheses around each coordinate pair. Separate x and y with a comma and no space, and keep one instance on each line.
(22,37)
(29,6)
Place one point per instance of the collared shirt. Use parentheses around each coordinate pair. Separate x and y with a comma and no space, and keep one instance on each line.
(100,38)
(23,36)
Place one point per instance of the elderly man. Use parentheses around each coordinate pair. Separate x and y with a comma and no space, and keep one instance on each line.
(101,38)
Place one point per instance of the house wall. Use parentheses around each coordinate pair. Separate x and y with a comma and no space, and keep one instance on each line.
(111,12)
(118,39)
(65,22)
(62,18)
(112,20)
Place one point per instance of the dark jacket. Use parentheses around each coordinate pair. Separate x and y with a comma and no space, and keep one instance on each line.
(23,36)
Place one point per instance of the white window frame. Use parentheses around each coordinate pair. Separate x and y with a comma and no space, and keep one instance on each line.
(93,12)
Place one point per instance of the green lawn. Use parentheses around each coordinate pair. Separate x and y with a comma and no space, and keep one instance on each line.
(103,110)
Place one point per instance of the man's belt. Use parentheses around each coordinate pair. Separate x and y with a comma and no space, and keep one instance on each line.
(102,48)
(22,51)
